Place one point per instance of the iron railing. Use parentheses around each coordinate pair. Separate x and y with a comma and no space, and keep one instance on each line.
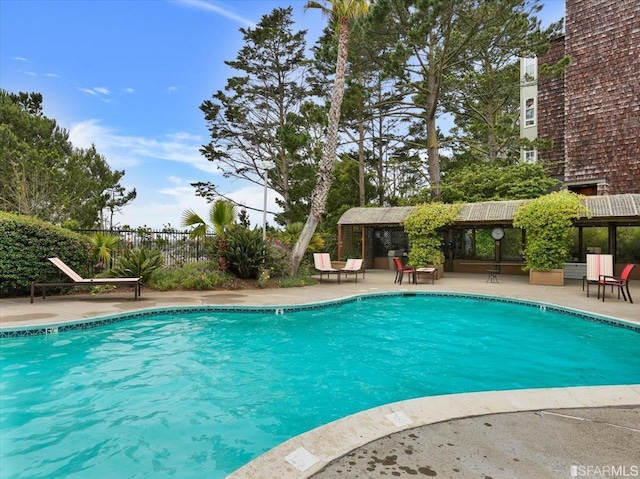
(178,248)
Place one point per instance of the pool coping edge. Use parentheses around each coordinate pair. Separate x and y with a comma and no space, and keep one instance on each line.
(333,440)
(22,330)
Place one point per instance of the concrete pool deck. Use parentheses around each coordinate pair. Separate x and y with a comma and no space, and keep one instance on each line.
(56,309)
(509,434)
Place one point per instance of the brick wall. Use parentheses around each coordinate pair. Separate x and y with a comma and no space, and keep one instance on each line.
(551,116)
(602,108)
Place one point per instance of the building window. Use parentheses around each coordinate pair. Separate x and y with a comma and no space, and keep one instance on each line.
(530,156)
(530,112)
(530,69)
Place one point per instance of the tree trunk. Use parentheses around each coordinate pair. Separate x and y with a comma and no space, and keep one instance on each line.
(381,143)
(361,182)
(432,145)
(434,79)
(492,143)
(327,164)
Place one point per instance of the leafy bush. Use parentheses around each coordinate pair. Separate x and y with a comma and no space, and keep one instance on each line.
(25,245)
(492,181)
(292,232)
(547,222)
(242,251)
(138,263)
(278,260)
(628,244)
(197,276)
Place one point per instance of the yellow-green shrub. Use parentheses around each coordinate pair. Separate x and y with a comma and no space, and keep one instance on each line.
(422,225)
(547,222)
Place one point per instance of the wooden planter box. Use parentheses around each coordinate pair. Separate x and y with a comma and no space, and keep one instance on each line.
(439,271)
(555,277)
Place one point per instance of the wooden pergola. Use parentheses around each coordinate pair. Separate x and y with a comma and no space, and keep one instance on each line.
(611,211)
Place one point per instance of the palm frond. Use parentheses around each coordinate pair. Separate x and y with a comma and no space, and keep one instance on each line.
(190,218)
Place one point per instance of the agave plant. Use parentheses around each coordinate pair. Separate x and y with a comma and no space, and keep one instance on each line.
(244,252)
(138,263)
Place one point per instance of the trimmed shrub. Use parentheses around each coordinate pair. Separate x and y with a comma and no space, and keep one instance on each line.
(25,245)
(197,276)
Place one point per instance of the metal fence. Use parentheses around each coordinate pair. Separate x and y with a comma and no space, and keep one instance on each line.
(176,246)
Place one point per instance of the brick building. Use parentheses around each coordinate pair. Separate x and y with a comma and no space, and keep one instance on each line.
(591,113)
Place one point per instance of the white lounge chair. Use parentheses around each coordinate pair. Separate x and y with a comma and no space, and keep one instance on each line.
(353,266)
(597,265)
(322,263)
(77,280)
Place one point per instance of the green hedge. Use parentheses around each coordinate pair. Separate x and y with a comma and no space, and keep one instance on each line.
(25,245)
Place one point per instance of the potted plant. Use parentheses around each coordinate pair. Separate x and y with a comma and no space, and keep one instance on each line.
(547,222)
(421,226)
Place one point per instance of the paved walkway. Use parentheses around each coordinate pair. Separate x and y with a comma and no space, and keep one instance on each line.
(558,433)
(55,309)
(537,444)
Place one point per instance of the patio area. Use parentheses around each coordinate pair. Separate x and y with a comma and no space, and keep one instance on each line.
(55,309)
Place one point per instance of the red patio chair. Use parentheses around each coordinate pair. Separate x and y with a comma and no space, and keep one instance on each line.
(621,282)
(400,270)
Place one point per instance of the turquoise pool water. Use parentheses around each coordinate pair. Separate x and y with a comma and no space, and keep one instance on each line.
(199,395)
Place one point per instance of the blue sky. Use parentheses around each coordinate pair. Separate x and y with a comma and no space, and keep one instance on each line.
(129,76)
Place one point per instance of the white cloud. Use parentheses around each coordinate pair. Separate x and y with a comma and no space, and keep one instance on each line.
(94,91)
(208,7)
(171,89)
(162,207)
(129,90)
(253,196)
(87,91)
(52,75)
(184,136)
(21,59)
(161,198)
(124,151)
(175,180)
(166,204)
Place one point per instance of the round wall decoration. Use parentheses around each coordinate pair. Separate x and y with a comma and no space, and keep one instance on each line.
(497,233)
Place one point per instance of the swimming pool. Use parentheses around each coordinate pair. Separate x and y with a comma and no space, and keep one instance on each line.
(199,394)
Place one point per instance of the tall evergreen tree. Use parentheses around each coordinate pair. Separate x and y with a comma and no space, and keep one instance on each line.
(261,115)
(432,37)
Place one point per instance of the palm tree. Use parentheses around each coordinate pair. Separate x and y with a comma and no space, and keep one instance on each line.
(292,232)
(102,246)
(343,13)
(221,215)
